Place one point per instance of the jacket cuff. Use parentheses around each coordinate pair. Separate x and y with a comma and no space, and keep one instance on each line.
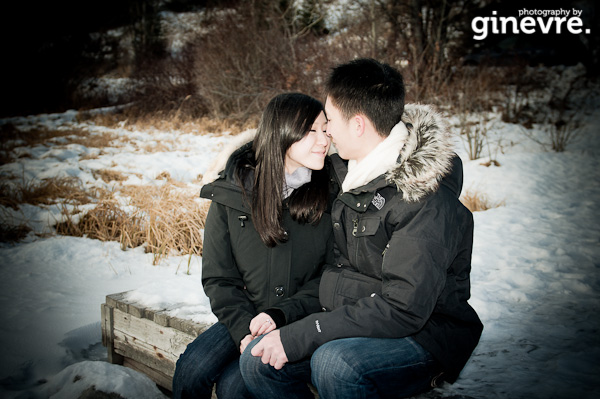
(277,315)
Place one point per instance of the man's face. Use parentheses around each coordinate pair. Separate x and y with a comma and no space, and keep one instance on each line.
(338,129)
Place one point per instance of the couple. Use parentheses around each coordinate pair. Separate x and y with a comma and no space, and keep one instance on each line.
(349,271)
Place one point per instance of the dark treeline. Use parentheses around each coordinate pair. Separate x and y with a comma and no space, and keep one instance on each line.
(248,50)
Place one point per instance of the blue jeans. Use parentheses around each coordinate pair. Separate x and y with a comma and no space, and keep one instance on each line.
(347,368)
(212,358)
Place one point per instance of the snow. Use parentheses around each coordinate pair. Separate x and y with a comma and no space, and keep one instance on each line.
(535,278)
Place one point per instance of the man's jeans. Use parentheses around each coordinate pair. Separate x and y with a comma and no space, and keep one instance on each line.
(346,368)
(212,358)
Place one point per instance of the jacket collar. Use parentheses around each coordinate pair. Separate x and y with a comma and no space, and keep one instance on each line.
(425,157)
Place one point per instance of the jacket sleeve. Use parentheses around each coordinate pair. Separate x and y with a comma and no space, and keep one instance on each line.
(221,279)
(414,271)
(306,300)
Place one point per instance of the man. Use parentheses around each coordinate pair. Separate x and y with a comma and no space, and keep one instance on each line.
(395,318)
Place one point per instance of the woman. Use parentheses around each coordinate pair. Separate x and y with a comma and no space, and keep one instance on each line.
(267,236)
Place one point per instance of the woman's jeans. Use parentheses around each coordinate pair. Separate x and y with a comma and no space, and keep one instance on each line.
(346,368)
(212,358)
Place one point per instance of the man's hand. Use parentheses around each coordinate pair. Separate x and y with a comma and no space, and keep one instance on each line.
(244,342)
(271,350)
(261,324)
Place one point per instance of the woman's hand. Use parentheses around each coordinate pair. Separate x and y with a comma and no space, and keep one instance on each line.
(261,324)
(244,342)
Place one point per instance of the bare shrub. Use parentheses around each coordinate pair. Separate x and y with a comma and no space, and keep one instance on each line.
(470,94)
(562,133)
(265,55)
(560,111)
(476,201)
(165,91)
(473,135)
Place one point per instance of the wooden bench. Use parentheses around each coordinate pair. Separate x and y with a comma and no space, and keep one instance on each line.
(146,340)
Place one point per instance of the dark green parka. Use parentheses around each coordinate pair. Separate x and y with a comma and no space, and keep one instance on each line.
(403,245)
(241,275)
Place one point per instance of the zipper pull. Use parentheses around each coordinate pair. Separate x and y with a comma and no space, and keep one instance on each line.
(385,250)
(242,219)
(354,227)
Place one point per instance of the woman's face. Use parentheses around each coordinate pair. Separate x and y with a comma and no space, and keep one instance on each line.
(311,150)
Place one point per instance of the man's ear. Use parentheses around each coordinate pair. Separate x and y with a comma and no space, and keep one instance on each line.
(359,124)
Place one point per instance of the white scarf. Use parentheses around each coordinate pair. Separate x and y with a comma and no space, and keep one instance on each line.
(380,160)
(301,175)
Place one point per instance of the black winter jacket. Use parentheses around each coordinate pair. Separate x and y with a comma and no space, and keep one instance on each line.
(403,245)
(241,275)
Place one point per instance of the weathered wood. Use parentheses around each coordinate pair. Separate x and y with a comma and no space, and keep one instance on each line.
(148,331)
(108,337)
(156,358)
(162,379)
(144,339)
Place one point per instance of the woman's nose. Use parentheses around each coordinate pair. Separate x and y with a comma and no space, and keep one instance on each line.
(323,138)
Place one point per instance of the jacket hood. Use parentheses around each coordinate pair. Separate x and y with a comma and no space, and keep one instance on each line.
(426,157)
(218,165)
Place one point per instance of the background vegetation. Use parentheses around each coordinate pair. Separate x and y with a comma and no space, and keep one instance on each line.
(234,55)
(212,65)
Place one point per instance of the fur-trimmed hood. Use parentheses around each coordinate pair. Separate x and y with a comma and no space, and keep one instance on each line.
(218,164)
(427,155)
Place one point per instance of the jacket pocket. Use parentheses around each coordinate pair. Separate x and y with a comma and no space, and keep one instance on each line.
(366,226)
(341,286)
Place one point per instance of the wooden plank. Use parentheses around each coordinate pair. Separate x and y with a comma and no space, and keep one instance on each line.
(108,338)
(166,338)
(165,381)
(147,340)
(188,326)
(105,326)
(151,356)
(113,299)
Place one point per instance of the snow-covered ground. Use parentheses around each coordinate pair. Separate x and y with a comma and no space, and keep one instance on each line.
(535,278)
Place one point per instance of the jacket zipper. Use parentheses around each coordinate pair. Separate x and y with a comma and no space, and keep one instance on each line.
(385,249)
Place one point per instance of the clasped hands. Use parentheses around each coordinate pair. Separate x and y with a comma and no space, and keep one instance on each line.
(269,348)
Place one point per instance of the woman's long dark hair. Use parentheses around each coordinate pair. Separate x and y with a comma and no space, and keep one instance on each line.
(286,119)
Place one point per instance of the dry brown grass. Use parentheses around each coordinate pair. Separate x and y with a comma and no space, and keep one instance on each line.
(45,192)
(170,121)
(109,175)
(166,122)
(166,220)
(95,140)
(11,137)
(104,222)
(477,202)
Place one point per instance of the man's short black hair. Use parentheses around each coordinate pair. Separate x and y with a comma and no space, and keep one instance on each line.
(369,87)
